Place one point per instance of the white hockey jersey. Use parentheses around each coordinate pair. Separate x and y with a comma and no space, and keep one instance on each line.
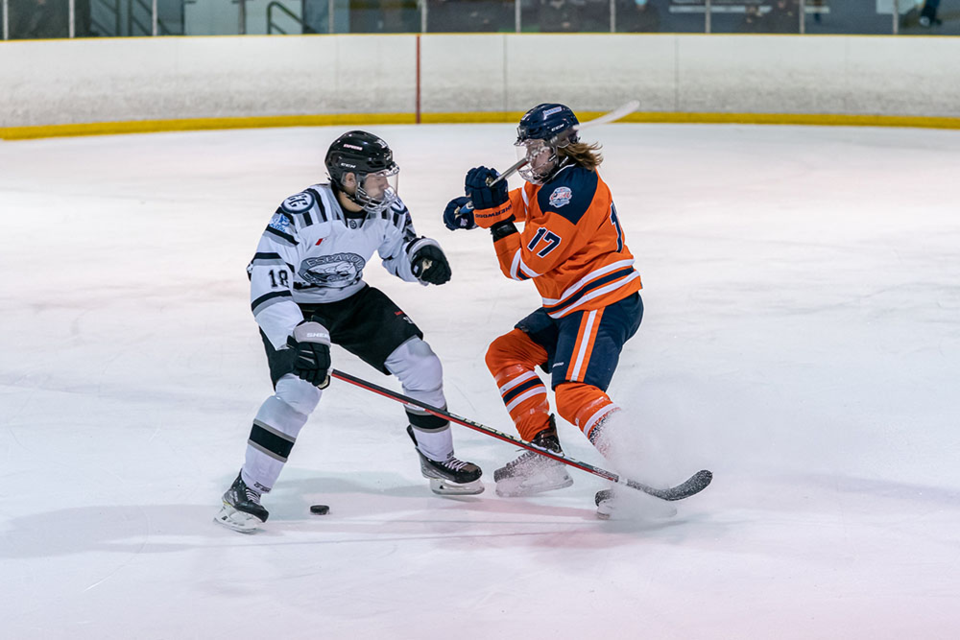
(311,253)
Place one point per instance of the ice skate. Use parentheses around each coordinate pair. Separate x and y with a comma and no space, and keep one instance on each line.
(532,473)
(241,509)
(451,476)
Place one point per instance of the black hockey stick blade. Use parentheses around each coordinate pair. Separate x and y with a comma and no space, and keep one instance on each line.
(689,487)
(692,486)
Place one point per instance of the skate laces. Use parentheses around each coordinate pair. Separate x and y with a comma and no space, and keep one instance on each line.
(453,463)
(243,491)
(527,457)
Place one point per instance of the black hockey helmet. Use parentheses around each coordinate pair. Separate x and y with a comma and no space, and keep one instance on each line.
(542,130)
(369,158)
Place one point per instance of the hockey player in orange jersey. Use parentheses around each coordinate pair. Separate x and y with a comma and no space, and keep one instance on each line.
(573,248)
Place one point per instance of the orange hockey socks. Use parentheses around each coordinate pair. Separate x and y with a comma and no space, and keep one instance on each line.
(583,405)
(512,359)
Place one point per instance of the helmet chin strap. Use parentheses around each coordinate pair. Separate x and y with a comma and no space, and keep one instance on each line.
(559,164)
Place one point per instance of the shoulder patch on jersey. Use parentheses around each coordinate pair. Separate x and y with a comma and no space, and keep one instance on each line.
(570,194)
(561,196)
(280,222)
(298,203)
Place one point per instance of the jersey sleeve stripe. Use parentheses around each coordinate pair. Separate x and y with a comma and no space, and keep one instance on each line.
(526,271)
(266,259)
(281,236)
(515,267)
(268,300)
(519,269)
(321,210)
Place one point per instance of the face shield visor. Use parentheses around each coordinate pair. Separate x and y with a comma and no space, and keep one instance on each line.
(541,159)
(377,191)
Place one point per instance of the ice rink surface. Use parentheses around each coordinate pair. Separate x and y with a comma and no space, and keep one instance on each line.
(801,339)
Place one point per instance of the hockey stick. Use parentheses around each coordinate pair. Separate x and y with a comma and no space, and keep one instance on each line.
(692,486)
(613,116)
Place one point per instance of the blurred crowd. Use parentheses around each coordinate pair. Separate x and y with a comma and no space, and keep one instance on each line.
(782,16)
(40,19)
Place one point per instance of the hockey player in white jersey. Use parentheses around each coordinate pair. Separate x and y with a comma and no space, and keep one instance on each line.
(307,291)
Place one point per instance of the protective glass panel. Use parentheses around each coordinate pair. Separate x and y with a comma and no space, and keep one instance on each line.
(933,17)
(573,16)
(640,16)
(471,16)
(379,16)
(755,16)
(38,19)
(681,16)
(839,16)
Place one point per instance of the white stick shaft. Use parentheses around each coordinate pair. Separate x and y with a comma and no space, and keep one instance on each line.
(613,116)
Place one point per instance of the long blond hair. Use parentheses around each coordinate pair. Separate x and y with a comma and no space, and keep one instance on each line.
(586,155)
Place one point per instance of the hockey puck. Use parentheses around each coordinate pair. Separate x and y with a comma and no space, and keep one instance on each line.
(320,509)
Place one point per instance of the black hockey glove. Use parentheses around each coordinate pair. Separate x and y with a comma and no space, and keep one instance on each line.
(430,265)
(311,341)
(459,214)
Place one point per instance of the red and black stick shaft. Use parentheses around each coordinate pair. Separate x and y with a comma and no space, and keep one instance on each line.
(476,426)
(693,485)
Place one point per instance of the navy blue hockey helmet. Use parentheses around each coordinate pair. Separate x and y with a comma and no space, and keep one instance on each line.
(550,122)
(542,130)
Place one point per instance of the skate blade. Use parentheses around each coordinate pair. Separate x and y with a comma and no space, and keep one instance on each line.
(649,509)
(520,487)
(444,487)
(237,520)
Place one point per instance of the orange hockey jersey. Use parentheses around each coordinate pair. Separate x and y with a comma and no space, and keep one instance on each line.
(571,245)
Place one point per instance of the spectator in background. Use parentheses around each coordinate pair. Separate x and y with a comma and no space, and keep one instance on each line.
(752,20)
(928,16)
(560,16)
(818,4)
(637,16)
(784,17)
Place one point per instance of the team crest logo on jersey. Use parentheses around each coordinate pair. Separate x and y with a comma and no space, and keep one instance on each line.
(338,270)
(298,203)
(561,196)
(280,222)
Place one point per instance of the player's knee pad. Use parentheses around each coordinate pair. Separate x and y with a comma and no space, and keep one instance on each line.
(298,394)
(514,349)
(582,405)
(419,370)
(420,373)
